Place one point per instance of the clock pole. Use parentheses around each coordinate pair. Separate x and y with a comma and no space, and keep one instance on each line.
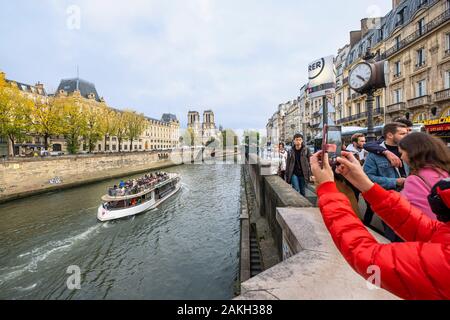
(369,102)
(369,105)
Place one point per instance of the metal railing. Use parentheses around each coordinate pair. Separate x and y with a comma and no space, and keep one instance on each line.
(433,24)
(419,101)
(442,95)
(360,116)
(399,106)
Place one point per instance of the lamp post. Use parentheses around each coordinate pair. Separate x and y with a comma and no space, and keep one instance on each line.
(369,102)
(365,78)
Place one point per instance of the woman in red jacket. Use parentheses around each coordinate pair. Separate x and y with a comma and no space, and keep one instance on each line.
(416,269)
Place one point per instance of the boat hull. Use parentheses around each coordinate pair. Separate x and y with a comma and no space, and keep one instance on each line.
(108,215)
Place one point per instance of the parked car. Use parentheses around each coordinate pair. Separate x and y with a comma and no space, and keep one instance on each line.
(56,153)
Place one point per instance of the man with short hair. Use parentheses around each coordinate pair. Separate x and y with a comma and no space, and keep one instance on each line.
(357,147)
(381,171)
(298,170)
(374,146)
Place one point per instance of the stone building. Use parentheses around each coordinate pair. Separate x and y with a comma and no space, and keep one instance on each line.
(291,120)
(417,37)
(205,131)
(351,106)
(159,134)
(31,141)
(414,37)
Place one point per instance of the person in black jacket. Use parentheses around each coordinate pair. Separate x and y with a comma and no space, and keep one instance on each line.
(376,148)
(298,169)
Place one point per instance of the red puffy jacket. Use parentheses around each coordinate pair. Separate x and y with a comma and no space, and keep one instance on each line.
(416,269)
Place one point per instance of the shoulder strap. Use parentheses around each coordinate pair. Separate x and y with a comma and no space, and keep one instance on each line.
(426,182)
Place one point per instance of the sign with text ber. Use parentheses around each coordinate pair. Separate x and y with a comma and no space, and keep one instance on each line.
(322,77)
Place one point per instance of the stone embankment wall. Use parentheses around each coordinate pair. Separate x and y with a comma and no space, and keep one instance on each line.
(28,176)
(311,267)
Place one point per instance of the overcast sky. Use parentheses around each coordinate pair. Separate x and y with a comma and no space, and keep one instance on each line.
(238,58)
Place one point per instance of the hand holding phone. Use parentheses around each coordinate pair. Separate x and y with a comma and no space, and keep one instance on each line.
(331,144)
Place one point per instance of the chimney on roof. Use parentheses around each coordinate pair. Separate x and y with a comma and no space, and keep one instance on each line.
(355,37)
(39,86)
(369,24)
(395,4)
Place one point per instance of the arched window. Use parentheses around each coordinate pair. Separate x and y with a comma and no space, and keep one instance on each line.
(420,117)
(446,113)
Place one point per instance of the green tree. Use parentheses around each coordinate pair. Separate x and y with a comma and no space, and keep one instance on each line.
(120,127)
(73,120)
(46,119)
(229,138)
(109,123)
(14,111)
(135,125)
(94,129)
(188,137)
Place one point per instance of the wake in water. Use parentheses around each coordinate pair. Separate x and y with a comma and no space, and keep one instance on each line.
(42,253)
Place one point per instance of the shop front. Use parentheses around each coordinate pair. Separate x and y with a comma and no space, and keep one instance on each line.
(439,128)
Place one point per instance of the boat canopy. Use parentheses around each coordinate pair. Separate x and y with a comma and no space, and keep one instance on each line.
(108,198)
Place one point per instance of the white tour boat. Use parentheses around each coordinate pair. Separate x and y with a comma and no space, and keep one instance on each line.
(145,197)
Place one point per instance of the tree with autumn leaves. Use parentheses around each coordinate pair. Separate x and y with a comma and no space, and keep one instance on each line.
(72,117)
(14,113)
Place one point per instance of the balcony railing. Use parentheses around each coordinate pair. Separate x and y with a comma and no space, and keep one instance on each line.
(396,107)
(418,102)
(433,24)
(360,116)
(344,120)
(356,95)
(397,75)
(442,95)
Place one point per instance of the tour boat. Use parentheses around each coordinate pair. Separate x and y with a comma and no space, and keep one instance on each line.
(145,198)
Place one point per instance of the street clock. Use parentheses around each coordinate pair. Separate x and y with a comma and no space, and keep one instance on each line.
(366,76)
(360,76)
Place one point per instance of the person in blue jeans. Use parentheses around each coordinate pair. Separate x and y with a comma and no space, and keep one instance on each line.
(298,169)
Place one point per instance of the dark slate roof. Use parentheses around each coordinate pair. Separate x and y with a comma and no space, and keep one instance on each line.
(85,87)
(389,24)
(168,117)
(157,121)
(28,88)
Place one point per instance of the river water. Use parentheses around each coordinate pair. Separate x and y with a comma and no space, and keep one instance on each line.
(187,248)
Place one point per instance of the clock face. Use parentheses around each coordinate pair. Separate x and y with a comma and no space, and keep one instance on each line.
(360,76)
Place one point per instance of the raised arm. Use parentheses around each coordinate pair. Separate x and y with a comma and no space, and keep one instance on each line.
(374,147)
(409,222)
(371,169)
(403,269)
(411,270)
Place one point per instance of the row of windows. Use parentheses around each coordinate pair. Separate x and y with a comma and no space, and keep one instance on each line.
(399,21)
(420,88)
(359,107)
(420,57)
(135,147)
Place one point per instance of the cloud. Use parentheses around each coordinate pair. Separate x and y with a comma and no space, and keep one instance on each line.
(239,58)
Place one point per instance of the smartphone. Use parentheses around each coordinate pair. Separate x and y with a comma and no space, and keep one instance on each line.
(324,144)
(332,143)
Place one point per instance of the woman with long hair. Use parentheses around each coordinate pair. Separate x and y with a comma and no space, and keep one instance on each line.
(429,161)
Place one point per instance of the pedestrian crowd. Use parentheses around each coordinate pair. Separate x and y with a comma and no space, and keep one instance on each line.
(404,179)
(135,186)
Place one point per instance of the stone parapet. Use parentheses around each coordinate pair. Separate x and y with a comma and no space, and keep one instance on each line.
(313,268)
